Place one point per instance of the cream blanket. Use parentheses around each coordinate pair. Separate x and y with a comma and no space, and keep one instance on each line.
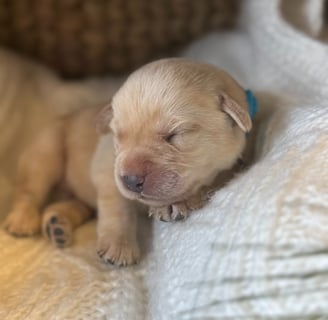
(259,250)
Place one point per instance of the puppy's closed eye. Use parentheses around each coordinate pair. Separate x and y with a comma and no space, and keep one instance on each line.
(170,137)
(177,136)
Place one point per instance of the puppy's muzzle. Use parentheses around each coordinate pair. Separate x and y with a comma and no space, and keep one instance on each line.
(133,183)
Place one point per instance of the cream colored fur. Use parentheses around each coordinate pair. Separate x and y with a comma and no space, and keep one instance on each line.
(177,123)
(32,98)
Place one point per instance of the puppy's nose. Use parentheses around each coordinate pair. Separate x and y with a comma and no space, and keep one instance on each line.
(134,183)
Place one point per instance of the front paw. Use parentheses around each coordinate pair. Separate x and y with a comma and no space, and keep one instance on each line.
(174,212)
(181,210)
(23,222)
(119,251)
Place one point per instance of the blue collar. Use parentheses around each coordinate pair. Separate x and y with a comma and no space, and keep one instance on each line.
(252,103)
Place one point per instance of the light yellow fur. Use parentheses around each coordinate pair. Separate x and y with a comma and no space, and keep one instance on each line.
(201,104)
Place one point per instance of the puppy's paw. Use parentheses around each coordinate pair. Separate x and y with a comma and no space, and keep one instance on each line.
(174,212)
(119,251)
(57,229)
(180,210)
(24,222)
(200,199)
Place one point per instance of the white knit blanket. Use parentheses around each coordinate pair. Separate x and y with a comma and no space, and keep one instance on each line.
(259,250)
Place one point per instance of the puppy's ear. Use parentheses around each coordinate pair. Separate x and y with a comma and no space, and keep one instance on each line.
(103,119)
(235,111)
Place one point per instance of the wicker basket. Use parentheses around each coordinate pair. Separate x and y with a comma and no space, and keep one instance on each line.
(89,37)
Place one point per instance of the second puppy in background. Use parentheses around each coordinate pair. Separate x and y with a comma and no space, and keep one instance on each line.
(171,134)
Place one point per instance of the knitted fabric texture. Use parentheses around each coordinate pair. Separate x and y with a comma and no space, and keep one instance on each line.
(258,250)
(82,37)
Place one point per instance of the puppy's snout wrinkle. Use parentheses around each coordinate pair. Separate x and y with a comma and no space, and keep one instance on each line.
(133,183)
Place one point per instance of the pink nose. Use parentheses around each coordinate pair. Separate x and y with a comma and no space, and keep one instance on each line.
(133,183)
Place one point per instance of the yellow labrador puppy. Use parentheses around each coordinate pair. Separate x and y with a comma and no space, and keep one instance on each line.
(169,133)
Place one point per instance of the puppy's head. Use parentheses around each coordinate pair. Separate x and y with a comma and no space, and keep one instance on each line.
(176,125)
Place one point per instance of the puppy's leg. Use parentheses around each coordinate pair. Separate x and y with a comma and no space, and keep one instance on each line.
(40,168)
(117,230)
(117,220)
(61,218)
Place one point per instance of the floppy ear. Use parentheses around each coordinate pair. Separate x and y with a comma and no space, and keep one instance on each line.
(236,112)
(103,119)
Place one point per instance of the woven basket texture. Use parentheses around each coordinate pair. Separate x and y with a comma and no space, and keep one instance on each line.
(92,37)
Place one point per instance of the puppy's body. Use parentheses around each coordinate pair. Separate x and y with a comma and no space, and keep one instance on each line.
(172,128)
(81,141)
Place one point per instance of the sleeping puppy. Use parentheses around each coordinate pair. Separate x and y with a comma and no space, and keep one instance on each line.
(177,124)
(167,139)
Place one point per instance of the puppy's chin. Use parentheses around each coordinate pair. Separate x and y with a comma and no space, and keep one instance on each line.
(152,202)
(149,199)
